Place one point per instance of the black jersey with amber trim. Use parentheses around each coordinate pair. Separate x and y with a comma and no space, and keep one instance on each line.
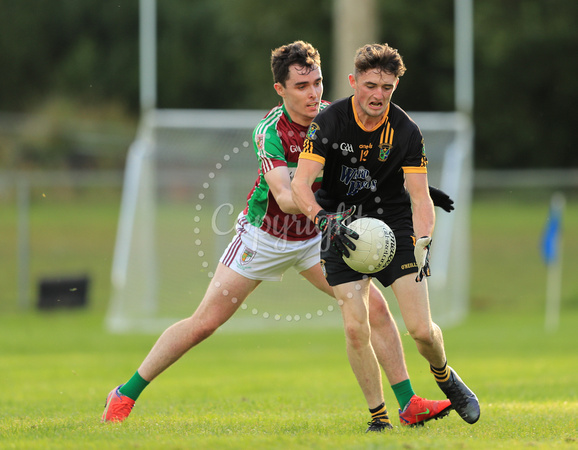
(366,167)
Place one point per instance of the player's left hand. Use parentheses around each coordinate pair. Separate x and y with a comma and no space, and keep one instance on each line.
(441,199)
(421,252)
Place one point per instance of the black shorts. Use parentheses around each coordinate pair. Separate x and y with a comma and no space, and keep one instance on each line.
(403,263)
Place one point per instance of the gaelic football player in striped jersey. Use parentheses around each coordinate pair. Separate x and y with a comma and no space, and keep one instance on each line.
(271,237)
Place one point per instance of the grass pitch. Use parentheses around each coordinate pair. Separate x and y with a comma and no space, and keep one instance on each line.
(291,388)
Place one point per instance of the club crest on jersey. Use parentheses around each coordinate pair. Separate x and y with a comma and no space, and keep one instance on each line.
(384,149)
(247,256)
(260,141)
(312,130)
(423,156)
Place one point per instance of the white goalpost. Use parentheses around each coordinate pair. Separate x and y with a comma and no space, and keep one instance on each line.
(187,176)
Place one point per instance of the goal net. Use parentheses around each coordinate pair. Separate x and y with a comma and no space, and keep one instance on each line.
(187,176)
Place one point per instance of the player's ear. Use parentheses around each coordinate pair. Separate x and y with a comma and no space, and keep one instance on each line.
(396,83)
(279,89)
(352,80)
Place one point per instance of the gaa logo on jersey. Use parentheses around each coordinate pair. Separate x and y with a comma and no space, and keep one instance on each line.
(247,256)
(384,149)
(312,130)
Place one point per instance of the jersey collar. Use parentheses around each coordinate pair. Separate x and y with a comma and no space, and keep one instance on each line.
(286,113)
(381,122)
(290,120)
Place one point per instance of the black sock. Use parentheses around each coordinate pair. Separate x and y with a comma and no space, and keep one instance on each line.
(442,374)
(379,414)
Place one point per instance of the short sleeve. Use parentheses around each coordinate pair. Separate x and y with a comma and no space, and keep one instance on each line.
(269,150)
(312,149)
(416,159)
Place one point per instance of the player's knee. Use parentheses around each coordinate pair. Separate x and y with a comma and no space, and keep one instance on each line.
(357,334)
(422,334)
(201,330)
(204,333)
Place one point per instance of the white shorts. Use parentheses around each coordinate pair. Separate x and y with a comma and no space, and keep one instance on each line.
(257,255)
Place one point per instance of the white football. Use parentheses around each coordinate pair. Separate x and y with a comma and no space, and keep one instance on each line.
(375,247)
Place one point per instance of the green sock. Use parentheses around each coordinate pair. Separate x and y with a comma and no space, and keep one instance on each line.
(133,387)
(403,392)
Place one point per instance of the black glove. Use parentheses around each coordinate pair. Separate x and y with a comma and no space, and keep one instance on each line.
(441,199)
(331,226)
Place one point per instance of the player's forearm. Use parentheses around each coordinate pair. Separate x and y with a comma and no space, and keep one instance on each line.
(304,198)
(286,203)
(423,218)
(421,204)
(279,182)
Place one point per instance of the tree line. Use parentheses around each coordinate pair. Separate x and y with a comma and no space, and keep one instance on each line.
(215,54)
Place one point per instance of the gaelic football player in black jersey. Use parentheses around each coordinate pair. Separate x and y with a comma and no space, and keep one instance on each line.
(369,153)
(272,237)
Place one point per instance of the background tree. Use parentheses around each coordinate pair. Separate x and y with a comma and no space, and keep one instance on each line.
(215,54)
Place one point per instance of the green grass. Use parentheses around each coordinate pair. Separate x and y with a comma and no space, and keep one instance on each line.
(75,233)
(283,389)
(289,387)
(508,273)
(70,233)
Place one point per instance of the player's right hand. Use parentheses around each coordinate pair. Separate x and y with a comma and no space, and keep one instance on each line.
(331,226)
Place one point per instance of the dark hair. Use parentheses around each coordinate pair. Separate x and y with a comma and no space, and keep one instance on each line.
(379,56)
(298,52)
